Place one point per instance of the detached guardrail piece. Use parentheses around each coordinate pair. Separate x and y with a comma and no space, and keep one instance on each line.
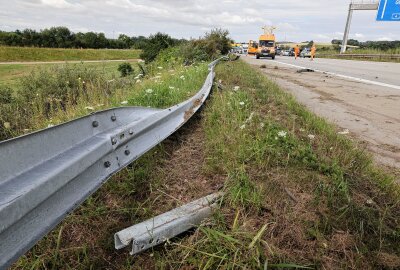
(159,229)
(47,174)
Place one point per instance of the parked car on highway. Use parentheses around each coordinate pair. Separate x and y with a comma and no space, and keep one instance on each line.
(285,53)
(291,52)
(306,52)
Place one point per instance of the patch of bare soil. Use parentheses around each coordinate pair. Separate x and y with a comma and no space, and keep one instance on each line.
(182,174)
(182,178)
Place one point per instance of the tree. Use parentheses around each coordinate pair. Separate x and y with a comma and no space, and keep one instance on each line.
(155,44)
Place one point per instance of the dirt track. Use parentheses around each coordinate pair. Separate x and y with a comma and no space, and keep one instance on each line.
(370,112)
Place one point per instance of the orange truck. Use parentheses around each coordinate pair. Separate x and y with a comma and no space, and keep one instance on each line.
(266,46)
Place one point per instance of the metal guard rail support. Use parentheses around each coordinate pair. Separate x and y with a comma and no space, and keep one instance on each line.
(47,174)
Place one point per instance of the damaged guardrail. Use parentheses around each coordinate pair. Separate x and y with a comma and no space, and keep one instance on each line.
(161,228)
(47,174)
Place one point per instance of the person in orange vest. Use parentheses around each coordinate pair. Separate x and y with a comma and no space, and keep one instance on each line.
(313,51)
(296,51)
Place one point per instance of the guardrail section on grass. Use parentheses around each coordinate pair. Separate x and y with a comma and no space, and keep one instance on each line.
(47,174)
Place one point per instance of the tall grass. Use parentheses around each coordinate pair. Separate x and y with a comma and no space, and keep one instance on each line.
(51,96)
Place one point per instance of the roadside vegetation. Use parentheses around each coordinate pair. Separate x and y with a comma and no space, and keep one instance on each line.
(10,75)
(297,193)
(31,54)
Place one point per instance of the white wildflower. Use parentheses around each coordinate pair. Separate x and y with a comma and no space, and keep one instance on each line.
(344,132)
(89,108)
(171,87)
(138,81)
(282,134)
(160,67)
(236,88)
(7,125)
(124,102)
(262,125)
(110,81)
(149,91)
(79,78)
(302,130)
(311,137)
(136,78)
(182,77)
(242,126)
(241,103)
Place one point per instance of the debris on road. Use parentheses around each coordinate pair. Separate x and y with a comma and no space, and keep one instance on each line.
(305,70)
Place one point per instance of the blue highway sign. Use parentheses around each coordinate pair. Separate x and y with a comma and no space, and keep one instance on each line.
(389,10)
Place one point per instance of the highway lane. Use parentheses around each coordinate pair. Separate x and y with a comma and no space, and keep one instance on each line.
(382,72)
(361,96)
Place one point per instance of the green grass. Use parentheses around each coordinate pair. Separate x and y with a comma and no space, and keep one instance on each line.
(292,201)
(28,54)
(10,75)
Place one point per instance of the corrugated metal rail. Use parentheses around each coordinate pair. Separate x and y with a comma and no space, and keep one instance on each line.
(47,174)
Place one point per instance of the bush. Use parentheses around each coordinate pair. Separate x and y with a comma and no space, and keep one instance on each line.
(155,44)
(213,45)
(125,69)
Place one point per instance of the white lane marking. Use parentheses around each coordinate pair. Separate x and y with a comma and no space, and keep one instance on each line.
(345,76)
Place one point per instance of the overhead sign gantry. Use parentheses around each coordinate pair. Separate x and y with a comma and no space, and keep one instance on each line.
(388,10)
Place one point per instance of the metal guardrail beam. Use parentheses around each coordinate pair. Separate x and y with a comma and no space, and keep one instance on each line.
(47,174)
(159,229)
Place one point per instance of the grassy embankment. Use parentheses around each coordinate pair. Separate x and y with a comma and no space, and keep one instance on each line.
(297,193)
(10,75)
(30,54)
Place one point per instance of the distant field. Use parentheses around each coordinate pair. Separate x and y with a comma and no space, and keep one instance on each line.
(14,54)
(10,74)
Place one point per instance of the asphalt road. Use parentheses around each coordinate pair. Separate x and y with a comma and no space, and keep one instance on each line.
(359,96)
(380,72)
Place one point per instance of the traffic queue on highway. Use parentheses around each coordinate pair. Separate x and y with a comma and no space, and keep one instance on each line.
(266,46)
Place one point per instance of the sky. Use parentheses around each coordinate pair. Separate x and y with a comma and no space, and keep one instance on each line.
(296,21)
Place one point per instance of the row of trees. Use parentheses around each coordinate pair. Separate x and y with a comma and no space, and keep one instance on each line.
(62,37)
(378,45)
